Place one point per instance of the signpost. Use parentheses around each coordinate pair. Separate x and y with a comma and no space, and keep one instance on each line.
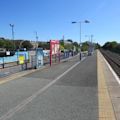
(54,49)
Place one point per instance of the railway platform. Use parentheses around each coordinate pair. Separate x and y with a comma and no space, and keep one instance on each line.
(71,90)
(108,90)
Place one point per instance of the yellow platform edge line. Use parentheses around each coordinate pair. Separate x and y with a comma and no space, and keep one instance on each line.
(106,111)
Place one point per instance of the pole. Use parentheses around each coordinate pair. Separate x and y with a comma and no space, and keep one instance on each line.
(12,29)
(86,21)
(13,32)
(91,38)
(80,42)
(3,63)
(36,39)
(50,53)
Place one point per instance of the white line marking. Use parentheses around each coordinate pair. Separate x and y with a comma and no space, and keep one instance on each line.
(113,72)
(20,106)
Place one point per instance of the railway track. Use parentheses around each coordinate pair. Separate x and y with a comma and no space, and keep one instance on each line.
(113,59)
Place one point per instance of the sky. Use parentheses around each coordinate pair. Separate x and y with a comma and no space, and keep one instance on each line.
(51,19)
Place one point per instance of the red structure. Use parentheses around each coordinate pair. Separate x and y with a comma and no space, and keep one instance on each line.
(54,49)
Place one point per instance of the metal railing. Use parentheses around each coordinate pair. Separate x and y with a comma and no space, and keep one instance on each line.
(14,67)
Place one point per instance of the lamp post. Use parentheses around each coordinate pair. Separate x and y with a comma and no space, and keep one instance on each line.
(12,29)
(80,22)
(36,39)
(92,38)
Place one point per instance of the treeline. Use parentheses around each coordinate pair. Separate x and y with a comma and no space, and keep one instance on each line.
(14,44)
(63,45)
(86,45)
(112,46)
(68,44)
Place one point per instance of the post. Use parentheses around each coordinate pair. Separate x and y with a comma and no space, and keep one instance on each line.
(13,32)
(36,39)
(50,53)
(3,62)
(80,42)
(59,55)
(25,61)
(17,57)
(86,21)
(91,38)
(12,27)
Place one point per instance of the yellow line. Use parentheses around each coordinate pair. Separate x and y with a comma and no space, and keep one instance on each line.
(106,111)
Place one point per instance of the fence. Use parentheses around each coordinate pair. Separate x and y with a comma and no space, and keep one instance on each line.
(29,62)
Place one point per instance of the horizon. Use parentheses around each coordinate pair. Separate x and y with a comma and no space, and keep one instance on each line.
(59,40)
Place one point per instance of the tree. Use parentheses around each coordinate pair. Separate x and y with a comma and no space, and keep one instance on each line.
(26,44)
(118,48)
(76,44)
(62,47)
(62,42)
(44,45)
(23,44)
(18,43)
(97,46)
(9,45)
(2,43)
(68,46)
(84,46)
(112,46)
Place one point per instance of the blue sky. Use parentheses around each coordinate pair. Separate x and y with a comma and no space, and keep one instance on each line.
(52,19)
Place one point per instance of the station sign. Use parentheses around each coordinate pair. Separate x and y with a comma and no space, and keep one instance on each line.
(54,49)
